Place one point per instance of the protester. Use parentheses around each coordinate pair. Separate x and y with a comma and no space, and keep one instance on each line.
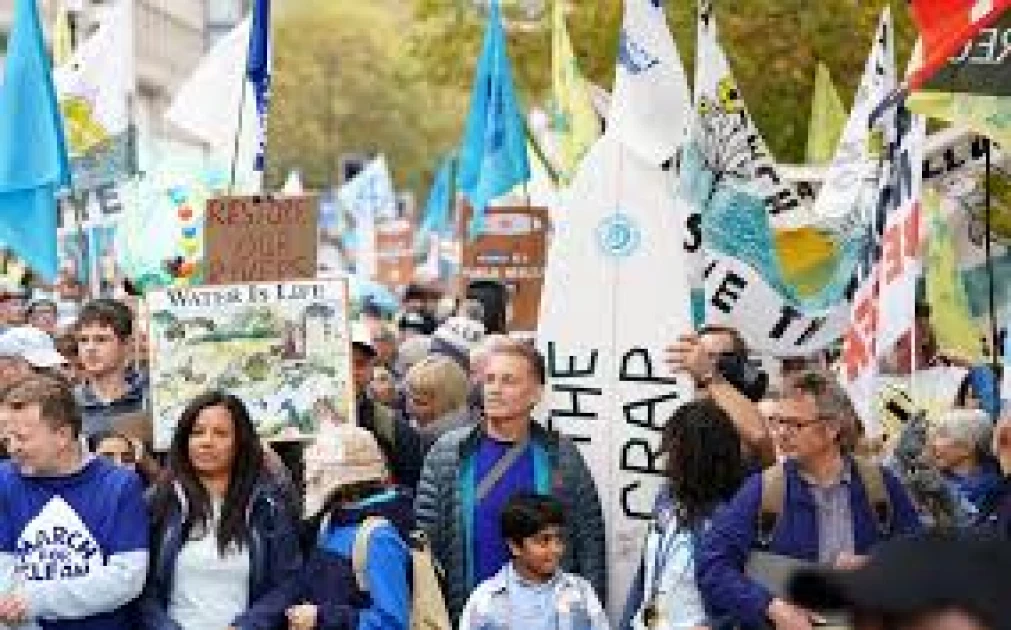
(26,350)
(996,516)
(436,392)
(127,453)
(73,529)
(959,445)
(941,581)
(411,351)
(399,441)
(531,590)
(456,338)
(478,362)
(111,387)
(384,340)
(42,314)
(470,474)
(716,359)
(115,447)
(820,506)
(383,387)
(12,309)
(227,544)
(358,500)
(704,470)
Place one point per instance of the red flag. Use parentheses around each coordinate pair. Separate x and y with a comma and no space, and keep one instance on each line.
(946,26)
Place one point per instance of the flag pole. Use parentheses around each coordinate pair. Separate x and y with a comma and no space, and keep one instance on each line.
(238,134)
(994,355)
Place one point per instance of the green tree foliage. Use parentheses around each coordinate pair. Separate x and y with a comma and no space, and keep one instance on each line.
(405,68)
(344,81)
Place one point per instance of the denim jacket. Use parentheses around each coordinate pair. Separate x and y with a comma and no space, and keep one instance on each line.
(667,571)
(576,604)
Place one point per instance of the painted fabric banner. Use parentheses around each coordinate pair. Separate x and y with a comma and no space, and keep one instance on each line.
(745,215)
(284,348)
(94,89)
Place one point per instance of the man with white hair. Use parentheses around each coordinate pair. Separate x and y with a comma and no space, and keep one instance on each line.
(958,443)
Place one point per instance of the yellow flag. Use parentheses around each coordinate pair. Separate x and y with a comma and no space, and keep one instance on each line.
(828,118)
(956,332)
(573,116)
(63,46)
(986,114)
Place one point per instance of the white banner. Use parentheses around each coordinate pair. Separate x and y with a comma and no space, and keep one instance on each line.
(605,320)
(850,183)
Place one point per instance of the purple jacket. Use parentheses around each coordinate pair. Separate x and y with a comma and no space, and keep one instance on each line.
(733,535)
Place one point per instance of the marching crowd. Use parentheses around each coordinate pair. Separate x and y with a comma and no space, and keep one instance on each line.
(448,504)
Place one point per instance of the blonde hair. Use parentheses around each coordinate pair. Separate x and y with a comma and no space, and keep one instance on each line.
(443,379)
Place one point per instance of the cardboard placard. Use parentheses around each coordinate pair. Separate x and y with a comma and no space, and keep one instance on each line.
(395,253)
(260,239)
(284,348)
(513,250)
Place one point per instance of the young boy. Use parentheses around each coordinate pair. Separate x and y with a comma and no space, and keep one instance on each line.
(531,592)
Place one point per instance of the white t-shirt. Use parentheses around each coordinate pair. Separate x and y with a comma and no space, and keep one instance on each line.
(209,591)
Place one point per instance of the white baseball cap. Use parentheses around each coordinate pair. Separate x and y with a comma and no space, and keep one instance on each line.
(361,336)
(31,344)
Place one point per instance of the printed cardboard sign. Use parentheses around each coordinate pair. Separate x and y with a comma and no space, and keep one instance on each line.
(260,239)
(513,250)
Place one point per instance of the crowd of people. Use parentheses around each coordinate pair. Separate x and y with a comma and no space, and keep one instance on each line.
(449,504)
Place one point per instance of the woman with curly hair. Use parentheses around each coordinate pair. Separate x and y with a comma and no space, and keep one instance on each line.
(704,468)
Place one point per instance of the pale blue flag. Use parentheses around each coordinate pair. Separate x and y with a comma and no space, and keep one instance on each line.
(493,157)
(440,202)
(33,154)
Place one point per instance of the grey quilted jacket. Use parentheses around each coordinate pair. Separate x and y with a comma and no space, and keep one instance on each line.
(440,507)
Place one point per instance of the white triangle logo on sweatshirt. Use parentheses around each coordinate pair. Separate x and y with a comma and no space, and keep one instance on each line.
(57,545)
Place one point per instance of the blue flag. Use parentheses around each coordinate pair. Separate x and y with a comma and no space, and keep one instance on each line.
(493,158)
(258,73)
(33,153)
(440,201)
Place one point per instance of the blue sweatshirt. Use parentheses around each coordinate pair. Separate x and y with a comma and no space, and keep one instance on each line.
(79,544)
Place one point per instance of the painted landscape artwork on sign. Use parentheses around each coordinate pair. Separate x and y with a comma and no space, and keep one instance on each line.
(283,348)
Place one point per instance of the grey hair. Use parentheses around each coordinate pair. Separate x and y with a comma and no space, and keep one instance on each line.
(966,426)
(835,408)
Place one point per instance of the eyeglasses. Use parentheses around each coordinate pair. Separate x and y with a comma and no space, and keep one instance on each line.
(790,425)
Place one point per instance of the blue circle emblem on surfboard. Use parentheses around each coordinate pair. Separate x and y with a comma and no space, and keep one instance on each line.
(618,235)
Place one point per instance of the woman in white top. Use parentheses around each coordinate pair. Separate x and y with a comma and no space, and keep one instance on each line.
(225,546)
(704,469)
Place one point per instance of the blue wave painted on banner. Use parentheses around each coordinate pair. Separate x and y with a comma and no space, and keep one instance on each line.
(736,224)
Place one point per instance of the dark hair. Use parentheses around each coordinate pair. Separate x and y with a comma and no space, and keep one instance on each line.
(704,462)
(526,514)
(964,389)
(246,470)
(95,439)
(737,341)
(54,396)
(106,312)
